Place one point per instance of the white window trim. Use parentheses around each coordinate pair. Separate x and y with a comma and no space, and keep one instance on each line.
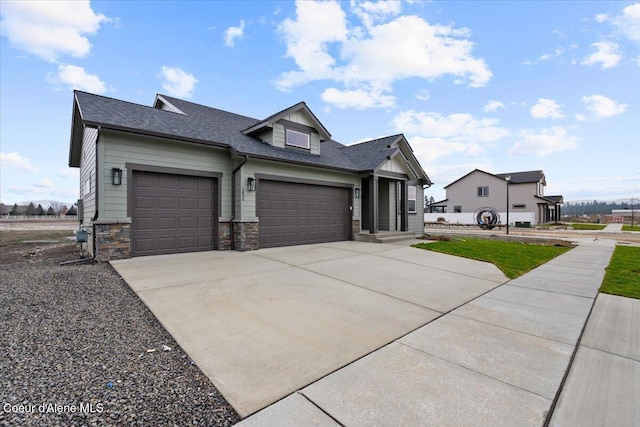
(307,147)
(414,198)
(480,191)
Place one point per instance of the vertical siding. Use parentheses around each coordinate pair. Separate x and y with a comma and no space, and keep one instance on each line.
(253,167)
(120,149)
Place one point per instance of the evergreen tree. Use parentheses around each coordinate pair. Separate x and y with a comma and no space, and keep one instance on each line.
(39,210)
(15,210)
(50,211)
(31,210)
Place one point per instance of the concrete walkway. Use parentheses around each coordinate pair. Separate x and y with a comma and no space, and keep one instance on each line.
(603,387)
(613,228)
(498,360)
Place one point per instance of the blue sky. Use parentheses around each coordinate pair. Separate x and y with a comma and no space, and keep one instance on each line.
(500,86)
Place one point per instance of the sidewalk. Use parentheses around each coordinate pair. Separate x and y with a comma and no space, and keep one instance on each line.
(613,228)
(603,387)
(497,360)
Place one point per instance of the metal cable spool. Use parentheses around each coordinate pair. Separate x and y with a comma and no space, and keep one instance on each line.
(487,217)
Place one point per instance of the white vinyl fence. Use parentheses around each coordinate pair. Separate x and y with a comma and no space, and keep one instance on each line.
(469,217)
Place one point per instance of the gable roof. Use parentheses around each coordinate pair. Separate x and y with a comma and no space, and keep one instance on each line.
(199,124)
(516,177)
(269,121)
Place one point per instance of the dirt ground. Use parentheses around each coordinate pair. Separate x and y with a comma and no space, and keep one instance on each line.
(34,240)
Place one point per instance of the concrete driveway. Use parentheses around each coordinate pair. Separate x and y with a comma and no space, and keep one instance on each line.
(264,324)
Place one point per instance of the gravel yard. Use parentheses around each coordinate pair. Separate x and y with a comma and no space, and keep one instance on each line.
(80,348)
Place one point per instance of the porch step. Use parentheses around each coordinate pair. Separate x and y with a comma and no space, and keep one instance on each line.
(385,236)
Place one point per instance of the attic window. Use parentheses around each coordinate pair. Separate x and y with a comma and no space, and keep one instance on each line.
(297,139)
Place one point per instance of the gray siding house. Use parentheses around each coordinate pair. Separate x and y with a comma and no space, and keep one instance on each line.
(479,189)
(181,177)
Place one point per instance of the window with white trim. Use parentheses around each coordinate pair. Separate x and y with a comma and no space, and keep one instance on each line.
(483,191)
(297,139)
(412,196)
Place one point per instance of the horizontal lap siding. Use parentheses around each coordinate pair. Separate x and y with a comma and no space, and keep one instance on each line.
(416,220)
(121,149)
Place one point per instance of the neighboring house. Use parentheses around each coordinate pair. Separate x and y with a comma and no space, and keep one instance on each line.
(182,177)
(477,189)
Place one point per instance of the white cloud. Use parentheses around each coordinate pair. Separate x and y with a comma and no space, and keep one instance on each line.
(555,139)
(370,12)
(606,54)
(601,106)
(44,187)
(68,173)
(601,17)
(308,38)
(44,183)
(547,56)
(325,46)
(628,24)
(233,33)
(422,95)
(492,106)
(357,98)
(75,77)
(437,136)
(17,162)
(178,82)
(546,109)
(580,117)
(50,29)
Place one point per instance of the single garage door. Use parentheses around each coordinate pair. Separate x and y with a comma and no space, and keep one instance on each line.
(297,214)
(172,213)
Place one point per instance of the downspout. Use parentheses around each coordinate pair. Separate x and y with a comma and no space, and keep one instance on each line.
(233,200)
(95,216)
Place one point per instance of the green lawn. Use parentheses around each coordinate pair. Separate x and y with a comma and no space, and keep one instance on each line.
(513,258)
(583,226)
(623,273)
(630,228)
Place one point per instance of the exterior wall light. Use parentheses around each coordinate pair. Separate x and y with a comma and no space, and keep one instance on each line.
(357,192)
(251,184)
(116,176)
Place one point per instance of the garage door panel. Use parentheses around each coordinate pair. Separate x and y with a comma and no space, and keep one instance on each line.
(172,213)
(294,214)
(143,202)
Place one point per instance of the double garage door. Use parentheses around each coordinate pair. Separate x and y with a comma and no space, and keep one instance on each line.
(178,213)
(172,213)
(296,214)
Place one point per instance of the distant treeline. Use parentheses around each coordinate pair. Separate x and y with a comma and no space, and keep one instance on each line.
(594,208)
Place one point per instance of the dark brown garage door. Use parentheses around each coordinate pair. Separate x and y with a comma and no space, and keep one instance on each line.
(172,213)
(296,214)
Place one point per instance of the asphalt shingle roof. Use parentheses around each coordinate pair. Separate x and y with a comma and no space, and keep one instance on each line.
(212,126)
(522,177)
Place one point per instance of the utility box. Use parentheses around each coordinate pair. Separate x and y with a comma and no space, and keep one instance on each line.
(82,236)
